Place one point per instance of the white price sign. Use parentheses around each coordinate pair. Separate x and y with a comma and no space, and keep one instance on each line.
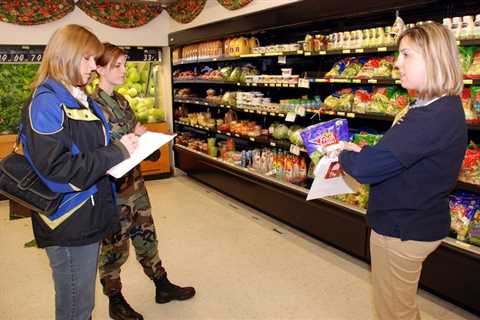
(295,149)
(291,117)
(304,83)
(301,111)
(282,59)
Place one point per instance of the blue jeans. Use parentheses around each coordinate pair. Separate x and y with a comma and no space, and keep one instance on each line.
(74,273)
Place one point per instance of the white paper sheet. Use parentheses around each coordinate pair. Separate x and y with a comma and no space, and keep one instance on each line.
(323,187)
(147,144)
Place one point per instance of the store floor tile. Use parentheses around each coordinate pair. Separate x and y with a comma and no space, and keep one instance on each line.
(243,264)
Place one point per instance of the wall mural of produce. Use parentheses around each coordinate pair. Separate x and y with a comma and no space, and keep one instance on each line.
(15,91)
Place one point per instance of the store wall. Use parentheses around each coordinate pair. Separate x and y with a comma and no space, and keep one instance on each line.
(152,34)
(213,12)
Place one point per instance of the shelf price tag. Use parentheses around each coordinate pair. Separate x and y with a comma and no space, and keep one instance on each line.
(323,52)
(229,134)
(254,84)
(467,81)
(308,53)
(251,139)
(218,131)
(264,113)
(282,59)
(372,81)
(340,113)
(295,149)
(285,85)
(357,81)
(359,50)
(291,85)
(273,114)
(350,115)
(237,135)
(382,49)
(272,84)
(291,117)
(278,85)
(321,80)
(398,82)
(273,144)
(346,51)
(299,51)
(304,83)
(300,111)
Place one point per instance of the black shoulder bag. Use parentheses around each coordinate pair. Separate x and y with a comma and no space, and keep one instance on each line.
(20,183)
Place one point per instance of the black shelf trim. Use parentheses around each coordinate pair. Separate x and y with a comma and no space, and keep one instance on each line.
(260,140)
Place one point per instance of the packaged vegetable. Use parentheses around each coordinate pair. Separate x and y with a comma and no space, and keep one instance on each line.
(466,97)
(341,100)
(353,66)
(318,137)
(280,132)
(294,135)
(366,139)
(474,229)
(463,207)
(476,100)
(384,69)
(399,100)
(474,69)
(361,100)
(337,69)
(466,57)
(380,101)
(470,170)
(368,68)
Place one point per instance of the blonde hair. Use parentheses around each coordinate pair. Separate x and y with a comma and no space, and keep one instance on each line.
(63,54)
(439,49)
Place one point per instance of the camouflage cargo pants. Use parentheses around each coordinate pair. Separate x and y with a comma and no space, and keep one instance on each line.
(136,225)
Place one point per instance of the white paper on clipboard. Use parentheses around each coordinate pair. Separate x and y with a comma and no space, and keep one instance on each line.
(324,186)
(147,144)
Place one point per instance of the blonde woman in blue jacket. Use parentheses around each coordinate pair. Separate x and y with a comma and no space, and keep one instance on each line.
(67,140)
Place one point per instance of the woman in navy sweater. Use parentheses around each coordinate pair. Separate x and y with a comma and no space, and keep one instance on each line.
(413,169)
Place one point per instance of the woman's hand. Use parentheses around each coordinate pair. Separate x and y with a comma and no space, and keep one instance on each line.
(139,129)
(350,146)
(130,142)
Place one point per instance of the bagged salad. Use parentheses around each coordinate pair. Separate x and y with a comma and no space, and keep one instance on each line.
(322,137)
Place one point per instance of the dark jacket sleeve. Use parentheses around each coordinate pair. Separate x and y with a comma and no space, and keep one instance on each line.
(371,165)
(49,148)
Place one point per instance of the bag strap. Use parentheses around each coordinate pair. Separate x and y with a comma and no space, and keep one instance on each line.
(24,118)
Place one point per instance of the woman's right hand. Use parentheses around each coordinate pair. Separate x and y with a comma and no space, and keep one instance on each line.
(130,142)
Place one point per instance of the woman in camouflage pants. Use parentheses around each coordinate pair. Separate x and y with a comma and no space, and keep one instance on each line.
(135,211)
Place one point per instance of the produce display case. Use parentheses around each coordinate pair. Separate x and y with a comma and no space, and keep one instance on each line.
(237,109)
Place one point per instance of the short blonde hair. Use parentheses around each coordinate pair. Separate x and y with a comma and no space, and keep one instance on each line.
(439,49)
(62,56)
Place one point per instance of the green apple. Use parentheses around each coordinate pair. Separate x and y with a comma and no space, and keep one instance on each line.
(132,92)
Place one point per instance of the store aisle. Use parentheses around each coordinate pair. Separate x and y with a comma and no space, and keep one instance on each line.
(243,264)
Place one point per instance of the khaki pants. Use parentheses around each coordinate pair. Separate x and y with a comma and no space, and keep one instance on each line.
(396,269)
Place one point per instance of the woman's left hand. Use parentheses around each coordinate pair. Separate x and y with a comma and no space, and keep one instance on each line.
(139,129)
(350,146)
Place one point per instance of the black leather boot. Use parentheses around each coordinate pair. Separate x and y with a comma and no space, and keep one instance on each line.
(167,291)
(119,309)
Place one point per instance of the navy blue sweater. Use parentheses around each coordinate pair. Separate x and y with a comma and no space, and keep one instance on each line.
(412,170)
